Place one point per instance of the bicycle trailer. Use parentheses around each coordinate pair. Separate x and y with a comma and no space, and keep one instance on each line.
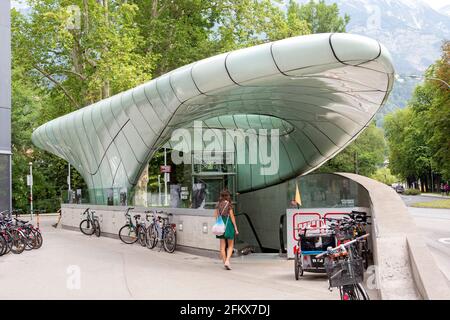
(308,247)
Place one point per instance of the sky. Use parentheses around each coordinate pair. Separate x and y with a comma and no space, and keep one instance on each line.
(436,4)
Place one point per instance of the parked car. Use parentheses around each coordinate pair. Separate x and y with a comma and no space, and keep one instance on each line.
(399,188)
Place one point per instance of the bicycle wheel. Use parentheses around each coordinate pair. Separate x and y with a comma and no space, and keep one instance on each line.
(31,239)
(361,292)
(128,234)
(7,236)
(97,228)
(170,239)
(152,236)
(365,254)
(18,241)
(142,236)
(354,292)
(298,268)
(3,245)
(87,227)
(39,239)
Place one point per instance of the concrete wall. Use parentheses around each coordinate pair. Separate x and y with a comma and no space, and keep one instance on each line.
(113,218)
(405,267)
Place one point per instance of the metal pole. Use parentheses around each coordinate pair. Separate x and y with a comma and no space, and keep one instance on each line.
(70,186)
(10,186)
(165,177)
(413,76)
(159,190)
(432,182)
(31,189)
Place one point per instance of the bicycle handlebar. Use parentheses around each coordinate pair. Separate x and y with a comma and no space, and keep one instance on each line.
(334,250)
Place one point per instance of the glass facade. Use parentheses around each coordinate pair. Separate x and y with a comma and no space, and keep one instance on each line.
(326,190)
(5,182)
(316,92)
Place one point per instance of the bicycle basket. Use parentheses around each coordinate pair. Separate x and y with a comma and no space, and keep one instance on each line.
(344,272)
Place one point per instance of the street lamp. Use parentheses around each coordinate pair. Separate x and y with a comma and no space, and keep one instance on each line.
(30,183)
(69,187)
(414,76)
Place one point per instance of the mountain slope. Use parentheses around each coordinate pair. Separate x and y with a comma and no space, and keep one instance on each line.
(411,30)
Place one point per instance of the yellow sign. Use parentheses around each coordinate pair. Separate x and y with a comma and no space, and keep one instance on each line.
(298,198)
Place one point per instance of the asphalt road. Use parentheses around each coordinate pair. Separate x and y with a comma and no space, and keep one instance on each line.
(435,227)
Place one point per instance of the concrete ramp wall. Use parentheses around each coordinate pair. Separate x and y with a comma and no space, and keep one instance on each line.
(405,267)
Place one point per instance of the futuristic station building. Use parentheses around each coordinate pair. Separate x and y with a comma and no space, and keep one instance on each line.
(320,91)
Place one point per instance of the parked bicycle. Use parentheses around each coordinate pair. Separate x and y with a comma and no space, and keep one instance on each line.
(90,225)
(32,233)
(350,227)
(161,230)
(345,269)
(13,238)
(133,231)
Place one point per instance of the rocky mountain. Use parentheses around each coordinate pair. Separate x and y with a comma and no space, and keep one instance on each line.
(411,30)
(445,10)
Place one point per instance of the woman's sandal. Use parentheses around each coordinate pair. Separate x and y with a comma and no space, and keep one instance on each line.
(227,266)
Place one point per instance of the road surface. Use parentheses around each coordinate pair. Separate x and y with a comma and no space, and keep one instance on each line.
(74,266)
(435,227)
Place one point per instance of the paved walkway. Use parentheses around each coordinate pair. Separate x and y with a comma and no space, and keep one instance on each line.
(73,266)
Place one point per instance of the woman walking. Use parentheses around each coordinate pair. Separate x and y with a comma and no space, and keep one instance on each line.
(225,208)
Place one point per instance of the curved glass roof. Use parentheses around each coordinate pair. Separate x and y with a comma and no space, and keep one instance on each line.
(319,90)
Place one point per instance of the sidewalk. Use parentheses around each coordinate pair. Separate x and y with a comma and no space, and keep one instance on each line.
(73,266)
(434,195)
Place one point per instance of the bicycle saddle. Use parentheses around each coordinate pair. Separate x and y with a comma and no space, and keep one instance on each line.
(137,216)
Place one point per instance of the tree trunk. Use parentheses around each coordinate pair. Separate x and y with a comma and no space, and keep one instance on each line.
(106,89)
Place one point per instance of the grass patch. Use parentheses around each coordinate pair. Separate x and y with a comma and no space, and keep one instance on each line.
(437,204)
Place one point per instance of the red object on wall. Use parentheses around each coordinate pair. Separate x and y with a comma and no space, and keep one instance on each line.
(165,169)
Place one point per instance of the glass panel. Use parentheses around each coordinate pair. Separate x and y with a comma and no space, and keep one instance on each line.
(5,193)
(5,136)
(323,190)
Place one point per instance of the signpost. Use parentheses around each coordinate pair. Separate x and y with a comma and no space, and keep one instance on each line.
(166,177)
(30,184)
(184,193)
(165,169)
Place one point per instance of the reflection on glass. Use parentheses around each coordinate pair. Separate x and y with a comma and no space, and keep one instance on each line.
(324,190)
(4,183)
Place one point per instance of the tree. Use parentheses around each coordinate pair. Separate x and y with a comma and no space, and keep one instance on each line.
(384,175)
(71,53)
(322,18)
(363,156)
(86,60)
(417,136)
(49,172)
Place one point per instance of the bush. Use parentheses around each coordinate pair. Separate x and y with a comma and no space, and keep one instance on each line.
(412,192)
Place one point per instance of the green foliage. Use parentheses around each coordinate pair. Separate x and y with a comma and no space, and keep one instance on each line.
(363,156)
(412,192)
(385,176)
(49,172)
(418,136)
(59,66)
(323,18)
